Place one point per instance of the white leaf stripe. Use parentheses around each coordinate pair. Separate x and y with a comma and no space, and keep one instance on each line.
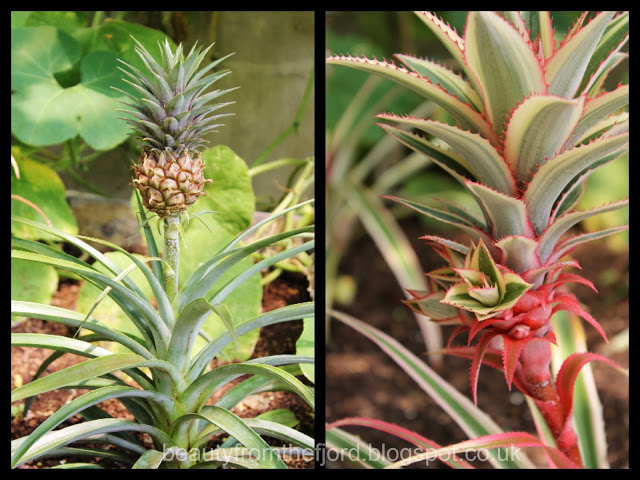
(485,161)
(504,64)
(537,130)
(565,69)
(555,175)
(466,116)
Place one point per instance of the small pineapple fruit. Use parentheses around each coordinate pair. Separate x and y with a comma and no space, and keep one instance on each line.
(171,116)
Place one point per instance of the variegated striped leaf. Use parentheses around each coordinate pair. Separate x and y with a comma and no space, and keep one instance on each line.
(504,214)
(446,217)
(570,243)
(504,64)
(556,174)
(537,130)
(466,116)
(596,109)
(566,68)
(614,37)
(453,83)
(549,239)
(596,84)
(483,159)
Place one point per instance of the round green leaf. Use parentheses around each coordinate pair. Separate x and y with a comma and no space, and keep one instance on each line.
(43,187)
(45,113)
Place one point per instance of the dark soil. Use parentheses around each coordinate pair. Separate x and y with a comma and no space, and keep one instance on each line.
(364,381)
(273,340)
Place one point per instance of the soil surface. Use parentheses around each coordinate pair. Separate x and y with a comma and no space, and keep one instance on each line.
(275,339)
(363,381)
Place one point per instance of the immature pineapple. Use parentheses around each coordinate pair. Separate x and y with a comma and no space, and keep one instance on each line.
(171,118)
(532,122)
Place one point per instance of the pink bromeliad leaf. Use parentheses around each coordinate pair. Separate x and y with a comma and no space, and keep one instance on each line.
(568,374)
(569,303)
(402,433)
(556,458)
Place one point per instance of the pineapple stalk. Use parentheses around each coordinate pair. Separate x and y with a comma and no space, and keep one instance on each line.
(171,255)
(532,122)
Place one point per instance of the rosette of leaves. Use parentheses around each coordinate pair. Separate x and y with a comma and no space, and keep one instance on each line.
(165,388)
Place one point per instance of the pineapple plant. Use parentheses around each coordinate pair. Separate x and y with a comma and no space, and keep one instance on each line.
(170,398)
(530,122)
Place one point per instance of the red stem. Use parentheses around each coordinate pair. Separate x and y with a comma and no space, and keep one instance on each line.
(535,374)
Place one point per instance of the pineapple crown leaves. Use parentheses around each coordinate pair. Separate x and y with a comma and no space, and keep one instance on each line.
(485,288)
(172,111)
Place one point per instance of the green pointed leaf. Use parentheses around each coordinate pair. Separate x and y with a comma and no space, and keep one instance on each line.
(64,436)
(200,390)
(305,345)
(466,116)
(538,129)
(75,319)
(515,288)
(451,82)
(596,85)
(555,175)
(43,187)
(565,70)
(569,244)
(149,460)
(283,314)
(452,42)
(77,405)
(77,373)
(549,238)
(482,158)
(188,326)
(458,296)
(506,215)
(504,64)
(58,343)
